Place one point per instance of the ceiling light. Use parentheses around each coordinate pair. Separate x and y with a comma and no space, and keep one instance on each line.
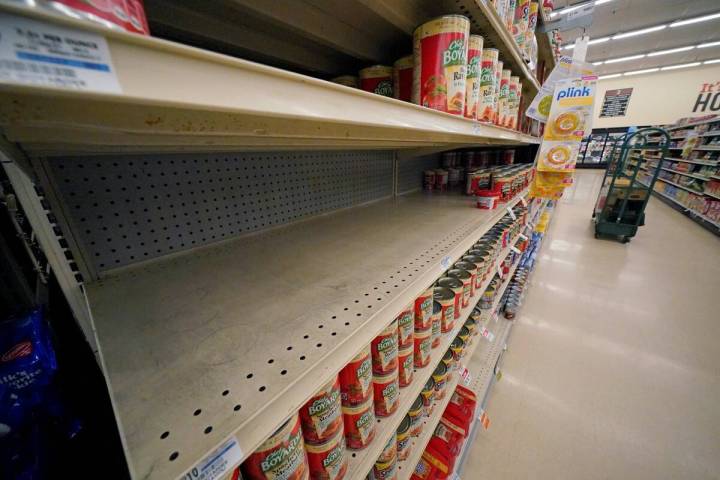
(638,72)
(709,44)
(635,33)
(563,11)
(598,63)
(672,50)
(684,65)
(591,42)
(612,75)
(689,21)
(625,59)
(708,62)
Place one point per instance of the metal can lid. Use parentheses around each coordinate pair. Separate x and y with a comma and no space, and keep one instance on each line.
(441,369)
(443,293)
(449,282)
(404,425)
(459,273)
(463,265)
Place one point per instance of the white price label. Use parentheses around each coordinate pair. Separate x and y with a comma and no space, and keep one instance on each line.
(515,249)
(445,262)
(465,375)
(522,237)
(218,463)
(486,333)
(511,213)
(36,53)
(523,201)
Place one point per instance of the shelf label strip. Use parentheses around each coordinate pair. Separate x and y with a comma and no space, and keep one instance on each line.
(36,53)
(218,463)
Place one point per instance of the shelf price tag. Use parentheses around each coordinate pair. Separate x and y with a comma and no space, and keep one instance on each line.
(445,262)
(484,419)
(511,213)
(487,334)
(522,237)
(216,465)
(465,375)
(515,249)
(37,53)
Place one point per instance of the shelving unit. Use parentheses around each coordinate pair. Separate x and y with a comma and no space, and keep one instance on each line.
(486,368)
(418,444)
(272,241)
(481,357)
(362,461)
(701,199)
(163,109)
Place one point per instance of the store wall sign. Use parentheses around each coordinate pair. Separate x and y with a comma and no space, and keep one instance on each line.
(616,102)
(708,99)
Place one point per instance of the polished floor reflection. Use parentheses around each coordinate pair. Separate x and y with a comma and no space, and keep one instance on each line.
(613,367)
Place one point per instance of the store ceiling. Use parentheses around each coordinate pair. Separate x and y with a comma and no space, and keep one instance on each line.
(618,16)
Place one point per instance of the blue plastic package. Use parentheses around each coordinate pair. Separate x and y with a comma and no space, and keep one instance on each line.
(27,359)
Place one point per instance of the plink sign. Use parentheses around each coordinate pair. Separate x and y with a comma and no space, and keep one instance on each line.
(572,92)
(708,98)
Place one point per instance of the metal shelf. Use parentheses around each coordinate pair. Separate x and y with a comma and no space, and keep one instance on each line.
(688,210)
(711,133)
(696,162)
(488,362)
(694,124)
(679,186)
(418,444)
(361,462)
(708,147)
(697,177)
(206,322)
(493,28)
(179,98)
(714,195)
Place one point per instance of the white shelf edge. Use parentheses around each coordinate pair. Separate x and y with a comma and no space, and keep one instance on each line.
(363,460)
(418,444)
(195,99)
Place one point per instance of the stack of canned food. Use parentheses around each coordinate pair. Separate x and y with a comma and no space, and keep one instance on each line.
(489,185)
(450,70)
(342,415)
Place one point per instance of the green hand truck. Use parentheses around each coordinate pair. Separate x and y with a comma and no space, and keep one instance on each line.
(633,166)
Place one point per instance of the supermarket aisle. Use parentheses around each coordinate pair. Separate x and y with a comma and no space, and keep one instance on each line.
(613,369)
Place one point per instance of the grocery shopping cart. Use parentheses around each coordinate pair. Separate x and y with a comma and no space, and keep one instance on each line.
(633,166)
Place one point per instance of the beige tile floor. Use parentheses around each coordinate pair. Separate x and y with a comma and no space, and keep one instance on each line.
(613,367)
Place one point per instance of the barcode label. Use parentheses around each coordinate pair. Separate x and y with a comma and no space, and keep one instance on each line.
(34,68)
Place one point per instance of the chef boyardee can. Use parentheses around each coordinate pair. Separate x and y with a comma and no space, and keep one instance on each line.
(328,461)
(377,79)
(406,326)
(471,268)
(446,298)
(440,49)
(486,111)
(321,416)
(356,379)
(280,456)
(467,280)
(474,68)
(424,309)
(457,287)
(359,424)
(403,439)
(403,78)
